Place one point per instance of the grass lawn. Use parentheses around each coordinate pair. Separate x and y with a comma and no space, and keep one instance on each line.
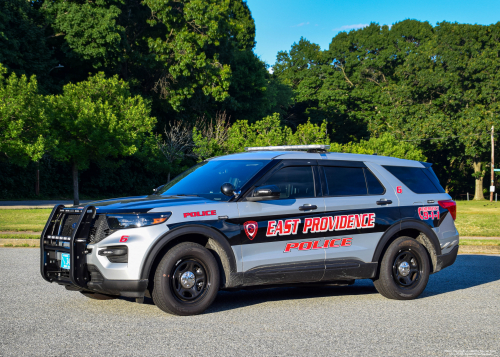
(477,219)
(494,242)
(23,220)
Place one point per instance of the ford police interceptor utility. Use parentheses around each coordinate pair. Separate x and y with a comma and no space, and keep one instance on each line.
(271,215)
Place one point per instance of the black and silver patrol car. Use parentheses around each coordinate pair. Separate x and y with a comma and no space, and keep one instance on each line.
(268,216)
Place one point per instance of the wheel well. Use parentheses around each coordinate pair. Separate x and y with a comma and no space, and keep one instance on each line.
(200,239)
(420,237)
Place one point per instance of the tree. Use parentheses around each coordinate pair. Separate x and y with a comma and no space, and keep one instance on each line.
(224,139)
(95,120)
(23,118)
(177,143)
(386,145)
(175,51)
(23,47)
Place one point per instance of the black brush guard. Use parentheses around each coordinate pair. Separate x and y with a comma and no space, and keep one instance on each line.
(53,244)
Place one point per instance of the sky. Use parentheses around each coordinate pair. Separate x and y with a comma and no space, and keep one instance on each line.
(280,23)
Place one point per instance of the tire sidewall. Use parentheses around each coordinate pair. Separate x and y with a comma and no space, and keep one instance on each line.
(166,267)
(386,270)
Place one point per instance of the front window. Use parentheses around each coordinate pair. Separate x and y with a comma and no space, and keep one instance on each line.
(293,182)
(206,178)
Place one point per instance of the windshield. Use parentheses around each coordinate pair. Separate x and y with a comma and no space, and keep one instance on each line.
(206,178)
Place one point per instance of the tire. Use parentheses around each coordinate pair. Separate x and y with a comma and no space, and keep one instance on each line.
(98,296)
(187,280)
(401,281)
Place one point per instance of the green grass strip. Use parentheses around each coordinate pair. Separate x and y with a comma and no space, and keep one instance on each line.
(19,220)
(19,236)
(479,242)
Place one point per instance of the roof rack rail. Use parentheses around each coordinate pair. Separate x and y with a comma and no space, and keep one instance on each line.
(308,148)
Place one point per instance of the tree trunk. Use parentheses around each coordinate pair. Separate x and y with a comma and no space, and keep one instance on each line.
(76,199)
(478,195)
(168,178)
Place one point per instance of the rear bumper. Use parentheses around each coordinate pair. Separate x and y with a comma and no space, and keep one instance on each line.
(445,260)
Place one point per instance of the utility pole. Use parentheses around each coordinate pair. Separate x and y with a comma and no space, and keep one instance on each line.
(492,185)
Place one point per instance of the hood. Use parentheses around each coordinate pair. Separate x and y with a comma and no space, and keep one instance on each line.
(143,204)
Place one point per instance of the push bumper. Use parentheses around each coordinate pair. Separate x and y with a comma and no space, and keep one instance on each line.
(445,260)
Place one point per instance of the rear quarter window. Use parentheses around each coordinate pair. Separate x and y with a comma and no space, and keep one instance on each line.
(419,180)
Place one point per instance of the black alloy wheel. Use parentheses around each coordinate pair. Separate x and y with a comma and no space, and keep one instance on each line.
(187,280)
(404,270)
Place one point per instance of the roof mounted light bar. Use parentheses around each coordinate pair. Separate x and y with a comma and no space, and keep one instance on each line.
(308,148)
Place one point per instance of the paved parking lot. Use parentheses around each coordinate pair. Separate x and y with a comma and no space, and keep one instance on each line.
(458,315)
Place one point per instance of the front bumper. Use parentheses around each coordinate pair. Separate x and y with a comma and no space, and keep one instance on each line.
(129,288)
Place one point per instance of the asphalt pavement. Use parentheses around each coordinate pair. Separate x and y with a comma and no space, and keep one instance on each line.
(457,315)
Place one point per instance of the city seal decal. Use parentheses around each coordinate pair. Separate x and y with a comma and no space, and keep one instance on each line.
(251,228)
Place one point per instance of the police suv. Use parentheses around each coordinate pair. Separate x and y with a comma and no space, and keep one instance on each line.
(269,216)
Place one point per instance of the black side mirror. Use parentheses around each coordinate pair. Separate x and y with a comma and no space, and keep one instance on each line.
(263,193)
(227,189)
(156,190)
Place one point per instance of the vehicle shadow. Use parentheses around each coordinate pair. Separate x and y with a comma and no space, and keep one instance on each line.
(229,300)
(467,272)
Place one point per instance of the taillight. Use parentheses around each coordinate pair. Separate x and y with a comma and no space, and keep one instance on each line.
(451,206)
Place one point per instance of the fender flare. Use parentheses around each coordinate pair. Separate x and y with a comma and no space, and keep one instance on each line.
(402,225)
(208,232)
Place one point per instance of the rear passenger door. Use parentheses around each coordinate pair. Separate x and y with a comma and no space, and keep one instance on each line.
(362,207)
(420,193)
(272,226)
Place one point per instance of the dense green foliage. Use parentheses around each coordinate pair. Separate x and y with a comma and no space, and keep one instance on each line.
(130,92)
(414,81)
(23,118)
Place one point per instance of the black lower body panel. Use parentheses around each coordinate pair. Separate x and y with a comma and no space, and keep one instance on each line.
(285,273)
(129,288)
(445,260)
(341,270)
(308,272)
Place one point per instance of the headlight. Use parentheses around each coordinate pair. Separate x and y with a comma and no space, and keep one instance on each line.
(122,221)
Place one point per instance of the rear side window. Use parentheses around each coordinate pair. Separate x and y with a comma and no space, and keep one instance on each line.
(293,182)
(374,185)
(419,180)
(351,181)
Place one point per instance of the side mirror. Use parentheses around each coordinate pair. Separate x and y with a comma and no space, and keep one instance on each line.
(264,193)
(156,190)
(227,189)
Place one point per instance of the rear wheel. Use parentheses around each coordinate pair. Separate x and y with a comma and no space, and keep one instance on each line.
(187,280)
(404,270)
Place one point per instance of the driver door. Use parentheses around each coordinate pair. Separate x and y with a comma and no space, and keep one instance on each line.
(274,247)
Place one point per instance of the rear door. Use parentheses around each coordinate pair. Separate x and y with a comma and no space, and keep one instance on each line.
(420,193)
(362,207)
(273,227)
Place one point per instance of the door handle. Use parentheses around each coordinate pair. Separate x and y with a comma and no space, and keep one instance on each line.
(308,207)
(383,201)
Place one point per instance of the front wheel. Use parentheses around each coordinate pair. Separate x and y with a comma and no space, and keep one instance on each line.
(187,280)
(404,270)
